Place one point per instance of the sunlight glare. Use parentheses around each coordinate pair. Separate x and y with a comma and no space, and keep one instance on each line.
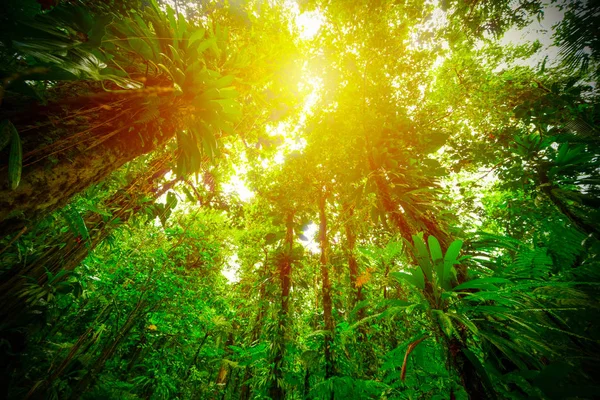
(309,24)
(238,186)
(231,268)
(311,245)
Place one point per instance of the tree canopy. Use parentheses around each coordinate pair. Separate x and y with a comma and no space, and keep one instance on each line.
(318,199)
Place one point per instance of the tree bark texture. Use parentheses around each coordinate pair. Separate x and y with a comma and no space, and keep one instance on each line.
(69,250)
(75,142)
(285,269)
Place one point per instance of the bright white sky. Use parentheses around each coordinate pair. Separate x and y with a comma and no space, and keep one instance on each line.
(541,31)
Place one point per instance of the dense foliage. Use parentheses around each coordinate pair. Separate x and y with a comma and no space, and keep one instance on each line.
(317,200)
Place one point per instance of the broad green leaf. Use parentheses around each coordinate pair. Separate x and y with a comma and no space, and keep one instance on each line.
(222,82)
(228,93)
(196,36)
(445,323)
(141,47)
(175,55)
(434,248)
(481,371)
(450,258)
(171,200)
(15,157)
(168,71)
(179,77)
(436,256)
(422,255)
(415,278)
(205,45)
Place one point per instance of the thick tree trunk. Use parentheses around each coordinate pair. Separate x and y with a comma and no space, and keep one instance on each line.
(285,269)
(89,136)
(123,204)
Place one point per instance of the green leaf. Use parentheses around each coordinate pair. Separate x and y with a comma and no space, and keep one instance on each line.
(415,278)
(422,255)
(76,223)
(96,34)
(434,248)
(205,45)
(141,47)
(482,283)
(228,93)
(223,82)
(171,200)
(15,157)
(189,195)
(450,258)
(97,210)
(445,323)
(481,371)
(436,256)
(176,57)
(196,36)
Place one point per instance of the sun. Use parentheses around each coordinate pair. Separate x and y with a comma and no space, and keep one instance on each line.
(309,24)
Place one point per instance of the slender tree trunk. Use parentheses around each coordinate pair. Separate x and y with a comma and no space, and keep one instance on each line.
(352,262)
(548,188)
(109,350)
(327,303)
(390,207)
(306,382)
(81,344)
(285,268)
(245,389)
(224,369)
(195,359)
(386,274)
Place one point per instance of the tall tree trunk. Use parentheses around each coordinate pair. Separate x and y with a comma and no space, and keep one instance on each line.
(390,207)
(245,389)
(90,136)
(285,269)
(224,369)
(327,304)
(472,383)
(548,188)
(352,262)
(124,204)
